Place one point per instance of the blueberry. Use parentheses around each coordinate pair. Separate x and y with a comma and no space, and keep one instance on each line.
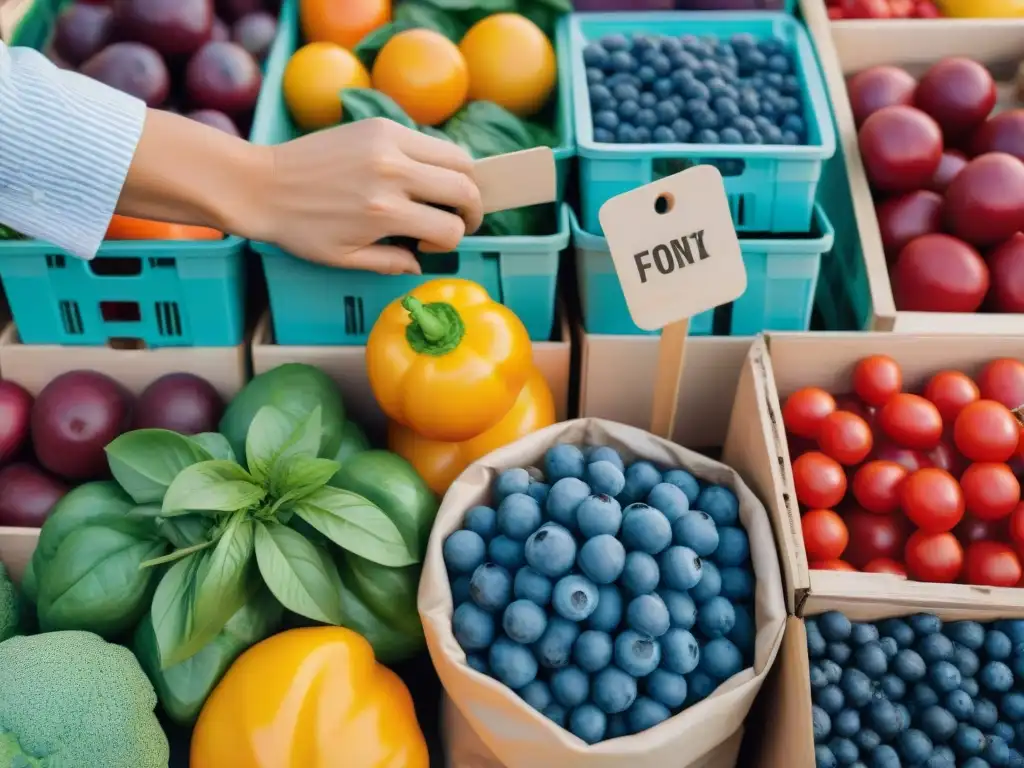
(997,752)
(593,650)
(938,723)
(595,55)
(925,623)
(688,484)
(730,136)
(970,686)
(744,631)
(889,646)
(460,590)
(986,714)
(556,713)
(699,686)
(696,530)
(620,61)
(490,587)
(682,610)
(483,521)
(664,88)
(1012,705)
(914,746)
(627,110)
(621,92)
(479,663)
(965,660)
(823,757)
(563,499)
(646,117)
(1014,629)
(608,614)
(570,686)
(883,717)
(602,559)
(606,119)
(834,626)
(716,617)
(622,77)
(613,690)
(846,724)
(511,481)
(996,676)
(648,615)
(968,740)
(681,568)
(663,135)
(646,713)
(524,621)
(647,74)
(753,137)
(512,664)
(617,726)
(710,584)
(642,135)
(733,547)
(935,647)
(536,694)
(862,633)
(944,677)
(893,687)
(831,699)
(833,672)
(666,112)
(1005,732)
(898,630)
(998,645)
(682,129)
(867,740)
(473,627)
(793,123)
(922,696)
(909,665)
(790,139)
(533,586)
(960,705)
(821,724)
(694,90)
(844,750)
(604,477)
(588,723)
(594,75)
(737,584)
(817,646)
(506,552)
(636,653)
(600,97)
(464,551)
(551,550)
(748,102)
(661,64)
(554,649)
(599,514)
(704,120)
(640,574)
(606,453)
(641,477)
(519,515)
(574,597)
(721,659)
(602,137)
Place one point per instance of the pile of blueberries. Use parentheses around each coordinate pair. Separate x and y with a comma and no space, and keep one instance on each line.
(696,90)
(609,597)
(917,692)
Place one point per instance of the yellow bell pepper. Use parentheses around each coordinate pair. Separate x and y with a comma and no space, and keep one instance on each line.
(309,698)
(439,463)
(982,9)
(446,361)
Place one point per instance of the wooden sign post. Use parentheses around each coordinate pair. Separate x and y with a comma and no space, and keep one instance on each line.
(676,255)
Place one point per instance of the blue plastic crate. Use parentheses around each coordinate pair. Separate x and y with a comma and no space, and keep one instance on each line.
(771,188)
(782,274)
(162,293)
(316,305)
(272,123)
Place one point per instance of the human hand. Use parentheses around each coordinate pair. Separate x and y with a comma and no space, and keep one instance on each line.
(335,193)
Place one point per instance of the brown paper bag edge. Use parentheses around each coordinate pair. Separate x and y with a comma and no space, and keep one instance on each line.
(519,736)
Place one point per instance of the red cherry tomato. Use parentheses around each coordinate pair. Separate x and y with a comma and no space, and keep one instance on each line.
(876,379)
(830,565)
(876,486)
(805,409)
(885,565)
(950,391)
(986,431)
(972,529)
(991,564)
(907,458)
(911,421)
(820,481)
(932,500)
(825,534)
(1002,380)
(846,437)
(1017,526)
(991,492)
(934,557)
(873,536)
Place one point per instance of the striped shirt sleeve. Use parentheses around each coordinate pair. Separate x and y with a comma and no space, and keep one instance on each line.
(66,142)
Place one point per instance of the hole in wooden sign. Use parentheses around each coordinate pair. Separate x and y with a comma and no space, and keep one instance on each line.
(664,203)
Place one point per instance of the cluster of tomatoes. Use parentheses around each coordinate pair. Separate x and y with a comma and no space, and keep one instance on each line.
(917,485)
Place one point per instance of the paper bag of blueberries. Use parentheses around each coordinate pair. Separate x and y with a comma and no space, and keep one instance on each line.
(594,594)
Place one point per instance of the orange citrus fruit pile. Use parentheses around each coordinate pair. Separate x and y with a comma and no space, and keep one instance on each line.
(313,80)
(424,72)
(343,22)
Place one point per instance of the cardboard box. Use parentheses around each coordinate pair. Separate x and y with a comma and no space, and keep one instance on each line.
(35,366)
(847,47)
(617,375)
(826,361)
(347,366)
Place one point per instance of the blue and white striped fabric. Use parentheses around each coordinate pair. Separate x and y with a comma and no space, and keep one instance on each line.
(66,142)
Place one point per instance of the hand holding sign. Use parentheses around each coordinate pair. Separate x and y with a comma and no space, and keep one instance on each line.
(676,254)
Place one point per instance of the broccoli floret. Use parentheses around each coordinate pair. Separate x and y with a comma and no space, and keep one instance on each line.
(10,607)
(72,699)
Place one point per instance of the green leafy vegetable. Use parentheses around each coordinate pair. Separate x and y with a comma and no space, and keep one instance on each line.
(144,462)
(212,486)
(428,15)
(368,48)
(363,103)
(297,572)
(215,444)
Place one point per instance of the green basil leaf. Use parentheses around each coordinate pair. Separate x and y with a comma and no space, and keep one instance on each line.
(357,525)
(185,530)
(484,129)
(363,103)
(370,46)
(299,477)
(215,444)
(145,461)
(542,135)
(211,486)
(172,609)
(273,435)
(298,575)
(433,15)
(437,133)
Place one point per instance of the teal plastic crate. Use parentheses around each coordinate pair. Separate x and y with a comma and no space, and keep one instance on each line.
(782,275)
(316,305)
(771,188)
(273,125)
(160,293)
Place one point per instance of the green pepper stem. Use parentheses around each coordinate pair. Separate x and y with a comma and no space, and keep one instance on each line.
(431,322)
(435,328)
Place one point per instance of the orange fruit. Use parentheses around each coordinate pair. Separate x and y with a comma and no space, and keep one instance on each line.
(343,22)
(313,79)
(424,73)
(511,62)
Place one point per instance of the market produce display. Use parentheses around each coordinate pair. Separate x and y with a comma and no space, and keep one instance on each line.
(922,485)
(689,89)
(949,180)
(608,596)
(916,691)
(887,9)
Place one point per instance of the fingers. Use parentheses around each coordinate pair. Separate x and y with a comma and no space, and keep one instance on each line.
(434,151)
(385,259)
(442,231)
(441,186)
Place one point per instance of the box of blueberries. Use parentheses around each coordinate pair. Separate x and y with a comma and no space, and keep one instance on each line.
(592,593)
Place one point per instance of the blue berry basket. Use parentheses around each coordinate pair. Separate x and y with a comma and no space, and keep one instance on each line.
(162,293)
(771,187)
(782,277)
(318,305)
